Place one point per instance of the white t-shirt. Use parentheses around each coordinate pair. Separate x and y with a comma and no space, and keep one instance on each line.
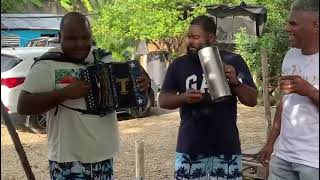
(298,141)
(73,136)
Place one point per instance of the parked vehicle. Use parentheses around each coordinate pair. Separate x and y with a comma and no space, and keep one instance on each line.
(15,65)
(46,42)
(43,42)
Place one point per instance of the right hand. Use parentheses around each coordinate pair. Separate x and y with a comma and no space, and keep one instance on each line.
(77,89)
(264,155)
(192,96)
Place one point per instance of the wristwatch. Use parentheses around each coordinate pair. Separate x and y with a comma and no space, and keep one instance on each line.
(239,82)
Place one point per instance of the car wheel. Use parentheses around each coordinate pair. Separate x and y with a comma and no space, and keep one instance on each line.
(37,123)
(139,112)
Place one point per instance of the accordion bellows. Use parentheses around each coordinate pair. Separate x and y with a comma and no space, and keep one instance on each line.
(113,86)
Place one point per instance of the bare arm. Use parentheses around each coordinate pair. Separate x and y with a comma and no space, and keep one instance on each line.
(267,150)
(36,103)
(169,100)
(172,100)
(275,131)
(313,94)
(246,94)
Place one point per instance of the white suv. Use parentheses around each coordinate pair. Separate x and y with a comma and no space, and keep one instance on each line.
(15,65)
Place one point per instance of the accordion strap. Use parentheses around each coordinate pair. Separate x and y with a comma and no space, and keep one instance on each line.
(82,110)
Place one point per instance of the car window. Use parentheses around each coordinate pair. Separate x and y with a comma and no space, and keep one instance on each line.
(8,62)
(40,43)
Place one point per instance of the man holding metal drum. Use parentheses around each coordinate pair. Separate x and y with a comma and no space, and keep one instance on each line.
(208,140)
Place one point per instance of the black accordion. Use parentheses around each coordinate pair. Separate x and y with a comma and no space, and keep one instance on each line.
(113,87)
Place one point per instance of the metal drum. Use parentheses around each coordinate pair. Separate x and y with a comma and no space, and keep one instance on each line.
(214,73)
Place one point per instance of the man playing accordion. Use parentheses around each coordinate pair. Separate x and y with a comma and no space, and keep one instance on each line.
(80,145)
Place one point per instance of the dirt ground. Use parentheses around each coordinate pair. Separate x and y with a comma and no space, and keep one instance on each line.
(159,133)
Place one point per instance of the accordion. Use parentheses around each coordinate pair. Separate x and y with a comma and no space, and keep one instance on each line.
(113,86)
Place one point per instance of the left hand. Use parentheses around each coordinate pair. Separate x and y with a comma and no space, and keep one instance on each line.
(231,74)
(143,82)
(295,84)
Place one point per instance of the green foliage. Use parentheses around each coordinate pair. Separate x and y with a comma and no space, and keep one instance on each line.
(129,21)
(76,5)
(123,22)
(17,6)
(154,20)
(276,42)
(84,5)
(274,39)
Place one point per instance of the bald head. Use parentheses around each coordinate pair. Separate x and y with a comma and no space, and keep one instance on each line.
(73,18)
(75,36)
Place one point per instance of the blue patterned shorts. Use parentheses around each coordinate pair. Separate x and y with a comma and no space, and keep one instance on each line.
(196,167)
(77,171)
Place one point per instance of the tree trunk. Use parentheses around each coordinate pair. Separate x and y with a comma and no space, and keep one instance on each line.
(265,80)
(266,100)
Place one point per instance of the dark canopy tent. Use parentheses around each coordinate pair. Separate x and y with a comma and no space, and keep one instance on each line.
(230,19)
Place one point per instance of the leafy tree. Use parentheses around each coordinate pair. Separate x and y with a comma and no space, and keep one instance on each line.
(17,6)
(84,5)
(124,22)
(274,39)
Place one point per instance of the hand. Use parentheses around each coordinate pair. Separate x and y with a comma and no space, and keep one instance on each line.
(295,84)
(144,82)
(264,155)
(231,74)
(192,96)
(76,90)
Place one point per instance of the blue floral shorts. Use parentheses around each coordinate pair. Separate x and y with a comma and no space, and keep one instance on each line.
(198,167)
(81,171)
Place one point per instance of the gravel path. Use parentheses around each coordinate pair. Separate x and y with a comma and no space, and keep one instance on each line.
(159,133)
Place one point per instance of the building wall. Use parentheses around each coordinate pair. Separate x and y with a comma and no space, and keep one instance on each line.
(27,35)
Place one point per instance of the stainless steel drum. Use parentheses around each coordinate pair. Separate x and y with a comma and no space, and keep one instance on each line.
(214,73)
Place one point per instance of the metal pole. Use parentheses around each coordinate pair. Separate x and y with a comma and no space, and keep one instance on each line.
(17,143)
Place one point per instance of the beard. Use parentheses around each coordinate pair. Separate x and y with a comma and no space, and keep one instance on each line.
(193,53)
